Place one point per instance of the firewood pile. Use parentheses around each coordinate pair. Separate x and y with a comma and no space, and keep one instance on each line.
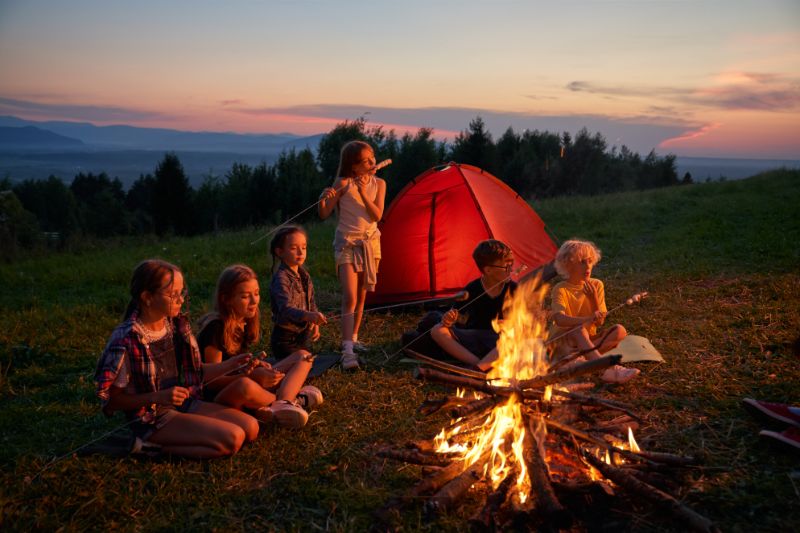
(532,452)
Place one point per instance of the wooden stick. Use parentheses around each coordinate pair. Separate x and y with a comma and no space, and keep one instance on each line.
(435,376)
(628,482)
(542,492)
(414,457)
(431,406)
(452,491)
(596,441)
(477,406)
(578,370)
(441,365)
(587,399)
(668,458)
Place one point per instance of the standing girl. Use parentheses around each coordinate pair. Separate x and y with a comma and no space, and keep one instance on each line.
(151,370)
(230,329)
(359,195)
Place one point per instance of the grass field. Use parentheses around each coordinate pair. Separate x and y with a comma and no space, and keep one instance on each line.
(721,261)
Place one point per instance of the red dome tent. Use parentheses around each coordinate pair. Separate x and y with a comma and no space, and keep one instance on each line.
(430,229)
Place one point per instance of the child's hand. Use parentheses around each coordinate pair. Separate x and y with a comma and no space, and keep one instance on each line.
(599,317)
(172,396)
(361,182)
(590,290)
(327,193)
(449,318)
(244,361)
(314,332)
(315,317)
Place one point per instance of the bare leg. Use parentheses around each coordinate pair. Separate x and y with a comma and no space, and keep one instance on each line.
(212,431)
(443,336)
(221,412)
(615,334)
(581,340)
(244,392)
(296,367)
(361,297)
(349,281)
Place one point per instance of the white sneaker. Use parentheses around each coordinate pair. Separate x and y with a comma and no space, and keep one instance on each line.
(619,374)
(288,414)
(309,397)
(349,361)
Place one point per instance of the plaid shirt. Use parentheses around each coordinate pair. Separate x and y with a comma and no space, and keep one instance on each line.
(291,295)
(127,340)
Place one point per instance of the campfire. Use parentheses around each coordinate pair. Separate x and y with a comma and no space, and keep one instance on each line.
(522,438)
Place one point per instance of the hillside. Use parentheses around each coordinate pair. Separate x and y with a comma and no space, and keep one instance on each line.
(720,260)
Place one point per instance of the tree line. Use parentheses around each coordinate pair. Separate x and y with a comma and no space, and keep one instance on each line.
(535,164)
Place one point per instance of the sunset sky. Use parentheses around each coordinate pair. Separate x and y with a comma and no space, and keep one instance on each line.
(694,78)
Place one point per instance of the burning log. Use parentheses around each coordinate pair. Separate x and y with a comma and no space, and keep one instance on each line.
(558,376)
(619,423)
(587,399)
(628,482)
(435,376)
(414,457)
(429,406)
(541,490)
(596,441)
(477,406)
(485,520)
(668,458)
(455,488)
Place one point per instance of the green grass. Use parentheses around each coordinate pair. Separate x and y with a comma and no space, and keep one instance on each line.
(721,261)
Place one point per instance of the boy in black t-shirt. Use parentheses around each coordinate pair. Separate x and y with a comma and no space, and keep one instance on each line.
(473,341)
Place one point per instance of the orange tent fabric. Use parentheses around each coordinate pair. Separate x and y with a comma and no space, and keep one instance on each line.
(430,229)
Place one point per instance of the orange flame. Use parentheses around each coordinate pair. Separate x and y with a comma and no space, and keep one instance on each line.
(521,355)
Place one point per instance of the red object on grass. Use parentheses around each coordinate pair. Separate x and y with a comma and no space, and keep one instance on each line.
(429,231)
(776,411)
(790,436)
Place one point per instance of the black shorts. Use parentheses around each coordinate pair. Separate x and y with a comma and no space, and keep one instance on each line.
(285,342)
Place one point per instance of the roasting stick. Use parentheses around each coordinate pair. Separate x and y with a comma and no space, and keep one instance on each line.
(382,164)
(458,297)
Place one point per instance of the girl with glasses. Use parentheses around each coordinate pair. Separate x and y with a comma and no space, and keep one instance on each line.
(151,370)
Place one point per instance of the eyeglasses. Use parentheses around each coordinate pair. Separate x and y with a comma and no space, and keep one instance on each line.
(506,267)
(177,294)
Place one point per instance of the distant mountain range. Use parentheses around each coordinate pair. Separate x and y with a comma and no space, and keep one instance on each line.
(134,138)
(36,150)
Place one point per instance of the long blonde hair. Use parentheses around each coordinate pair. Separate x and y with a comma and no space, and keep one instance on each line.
(234,338)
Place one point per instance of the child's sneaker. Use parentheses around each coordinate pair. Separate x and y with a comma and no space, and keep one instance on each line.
(288,414)
(619,374)
(263,415)
(776,411)
(790,436)
(309,397)
(349,361)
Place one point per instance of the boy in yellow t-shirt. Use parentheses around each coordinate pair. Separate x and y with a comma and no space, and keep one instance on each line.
(580,300)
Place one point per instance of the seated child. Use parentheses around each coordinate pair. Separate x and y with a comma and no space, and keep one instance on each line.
(580,300)
(230,329)
(474,342)
(151,370)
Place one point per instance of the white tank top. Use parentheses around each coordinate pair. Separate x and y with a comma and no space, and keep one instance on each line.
(353,216)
